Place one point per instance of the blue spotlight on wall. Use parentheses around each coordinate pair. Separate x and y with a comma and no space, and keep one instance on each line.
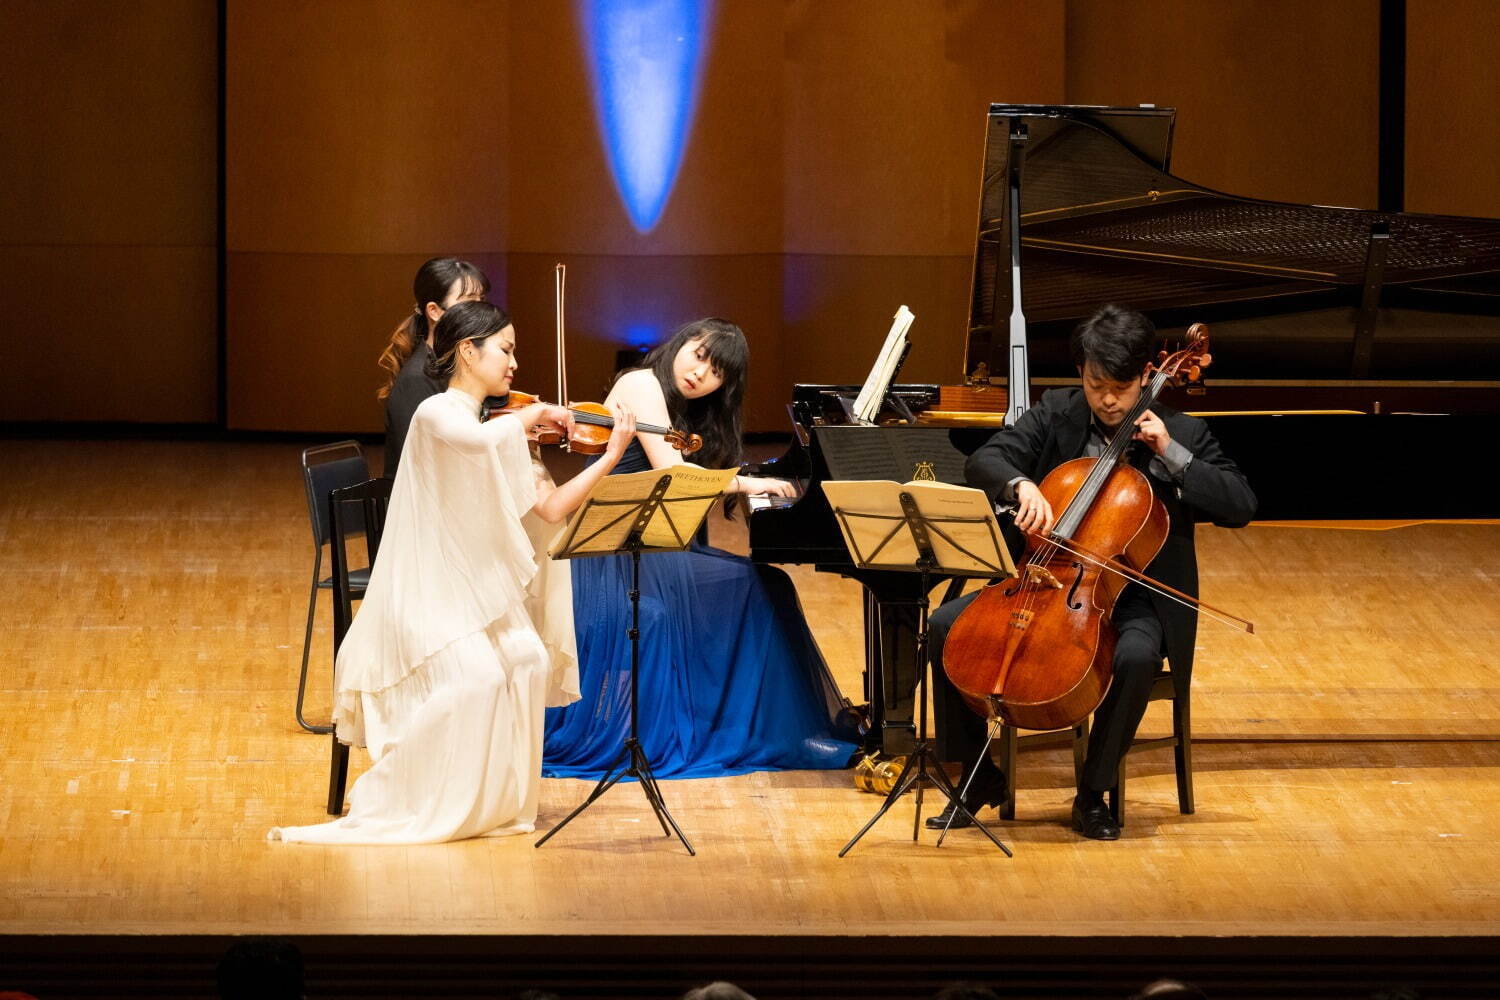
(642,336)
(646,57)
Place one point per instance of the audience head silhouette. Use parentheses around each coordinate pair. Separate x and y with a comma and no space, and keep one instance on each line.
(261,968)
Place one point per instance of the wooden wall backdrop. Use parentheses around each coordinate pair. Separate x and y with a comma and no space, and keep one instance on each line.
(107,210)
(830,175)
(713,251)
(1275,99)
(1452,92)
(885,124)
(363,136)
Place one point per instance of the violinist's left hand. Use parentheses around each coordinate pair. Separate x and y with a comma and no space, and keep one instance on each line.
(1151,430)
(621,434)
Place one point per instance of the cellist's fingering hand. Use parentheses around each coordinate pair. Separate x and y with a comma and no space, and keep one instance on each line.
(1150,429)
(622,433)
(1033,512)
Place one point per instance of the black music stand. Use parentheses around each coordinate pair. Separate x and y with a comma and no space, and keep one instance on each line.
(994,731)
(913,525)
(595,532)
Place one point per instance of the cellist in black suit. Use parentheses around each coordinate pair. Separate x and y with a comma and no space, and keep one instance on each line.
(1188,472)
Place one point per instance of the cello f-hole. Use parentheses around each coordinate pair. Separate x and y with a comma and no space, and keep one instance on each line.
(1016,583)
(1073,604)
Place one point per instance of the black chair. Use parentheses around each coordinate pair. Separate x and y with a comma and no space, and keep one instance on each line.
(1164,687)
(1167,686)
(324,468)
(353,509)
(1010,742)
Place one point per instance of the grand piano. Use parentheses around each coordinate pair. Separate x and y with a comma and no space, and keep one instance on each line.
(1356,353)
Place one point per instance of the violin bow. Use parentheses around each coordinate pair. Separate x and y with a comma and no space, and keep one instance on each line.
(559,283)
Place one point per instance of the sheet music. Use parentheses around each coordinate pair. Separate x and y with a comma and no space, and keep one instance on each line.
(603,522)
(962,529)
(872,393)
(894,453)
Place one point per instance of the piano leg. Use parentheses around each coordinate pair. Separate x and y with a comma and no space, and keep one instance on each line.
(872,685)
(891,668)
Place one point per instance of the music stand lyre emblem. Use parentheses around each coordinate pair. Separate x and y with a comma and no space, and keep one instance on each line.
(924,473)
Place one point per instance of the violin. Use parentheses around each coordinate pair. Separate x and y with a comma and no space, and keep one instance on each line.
(592,423)
(1038,650)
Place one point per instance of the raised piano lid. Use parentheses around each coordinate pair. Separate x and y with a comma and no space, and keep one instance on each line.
(1280,284)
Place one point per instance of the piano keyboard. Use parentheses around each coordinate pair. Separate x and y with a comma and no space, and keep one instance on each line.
(755,503)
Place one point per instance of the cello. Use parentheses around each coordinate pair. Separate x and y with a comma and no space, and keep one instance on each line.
(1037,650)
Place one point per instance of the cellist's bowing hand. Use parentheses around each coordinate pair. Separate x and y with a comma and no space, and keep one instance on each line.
(621,434)
(1150,429)
(1033,512)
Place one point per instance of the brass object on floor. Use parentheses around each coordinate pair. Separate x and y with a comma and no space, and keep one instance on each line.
(877,774)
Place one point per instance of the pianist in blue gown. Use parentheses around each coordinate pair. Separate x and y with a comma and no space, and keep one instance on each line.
(731,680)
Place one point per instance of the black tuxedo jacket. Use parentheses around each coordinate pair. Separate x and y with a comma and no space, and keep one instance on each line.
(1213,489)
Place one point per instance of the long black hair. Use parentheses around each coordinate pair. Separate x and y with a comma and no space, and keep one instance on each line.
(431,284)
(476,321)
(715,417)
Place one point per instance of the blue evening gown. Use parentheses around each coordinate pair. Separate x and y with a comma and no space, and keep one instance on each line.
(731,680)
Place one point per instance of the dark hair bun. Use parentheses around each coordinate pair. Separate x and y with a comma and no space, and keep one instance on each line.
(474,321)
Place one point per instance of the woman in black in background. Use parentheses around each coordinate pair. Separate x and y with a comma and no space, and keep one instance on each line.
(439,283)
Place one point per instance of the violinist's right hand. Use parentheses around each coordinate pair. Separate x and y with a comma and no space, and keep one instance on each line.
(1033,512)
(549,415)
(621,434)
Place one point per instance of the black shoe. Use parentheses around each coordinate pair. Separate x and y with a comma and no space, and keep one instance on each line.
(1093,820)
(987,789)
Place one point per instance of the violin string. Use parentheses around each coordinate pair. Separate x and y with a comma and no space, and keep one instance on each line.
(597,420)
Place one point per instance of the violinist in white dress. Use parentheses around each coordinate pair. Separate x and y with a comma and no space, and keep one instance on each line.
(465,634)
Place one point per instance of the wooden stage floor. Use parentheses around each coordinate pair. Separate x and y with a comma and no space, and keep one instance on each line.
(152,598)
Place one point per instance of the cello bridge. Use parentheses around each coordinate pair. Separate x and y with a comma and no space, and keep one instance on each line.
(1043,575)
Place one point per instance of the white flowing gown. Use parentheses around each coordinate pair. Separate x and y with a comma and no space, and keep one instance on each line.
(464,637)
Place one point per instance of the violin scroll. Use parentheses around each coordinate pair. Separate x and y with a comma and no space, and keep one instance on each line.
(683,442)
